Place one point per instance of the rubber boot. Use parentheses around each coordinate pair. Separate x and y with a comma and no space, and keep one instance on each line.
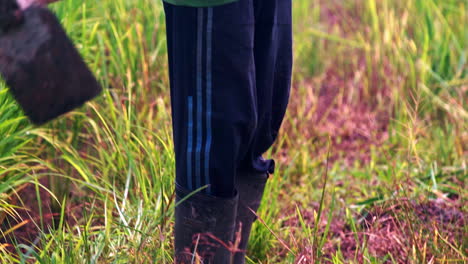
(250,187)
(204,228)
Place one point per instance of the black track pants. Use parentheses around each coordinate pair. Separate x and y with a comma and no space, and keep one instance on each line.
(230,73)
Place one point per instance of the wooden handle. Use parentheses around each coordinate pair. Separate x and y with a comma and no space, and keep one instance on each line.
(23,4)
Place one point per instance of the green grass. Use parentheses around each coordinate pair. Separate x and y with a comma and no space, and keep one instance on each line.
(110,164)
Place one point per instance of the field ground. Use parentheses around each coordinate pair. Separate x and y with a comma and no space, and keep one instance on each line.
(372,156)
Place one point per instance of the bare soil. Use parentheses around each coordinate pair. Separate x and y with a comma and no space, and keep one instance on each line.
(389,231)
(35,217)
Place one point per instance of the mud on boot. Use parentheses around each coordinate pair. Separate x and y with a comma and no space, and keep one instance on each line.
(204,227)
(251,187)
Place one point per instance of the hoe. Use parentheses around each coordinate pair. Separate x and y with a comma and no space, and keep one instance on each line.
(39,63)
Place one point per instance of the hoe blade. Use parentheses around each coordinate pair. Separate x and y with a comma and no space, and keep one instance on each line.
(42,68)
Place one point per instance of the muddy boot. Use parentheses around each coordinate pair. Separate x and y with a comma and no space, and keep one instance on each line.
(204,228)
(250,187)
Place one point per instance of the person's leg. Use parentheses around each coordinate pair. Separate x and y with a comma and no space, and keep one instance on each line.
(212,72)
(273,60)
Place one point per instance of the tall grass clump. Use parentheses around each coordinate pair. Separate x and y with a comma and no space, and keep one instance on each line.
(13,135)
(19,164)
(112,159)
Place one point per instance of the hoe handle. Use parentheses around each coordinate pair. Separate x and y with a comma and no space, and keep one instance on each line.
(27,3)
